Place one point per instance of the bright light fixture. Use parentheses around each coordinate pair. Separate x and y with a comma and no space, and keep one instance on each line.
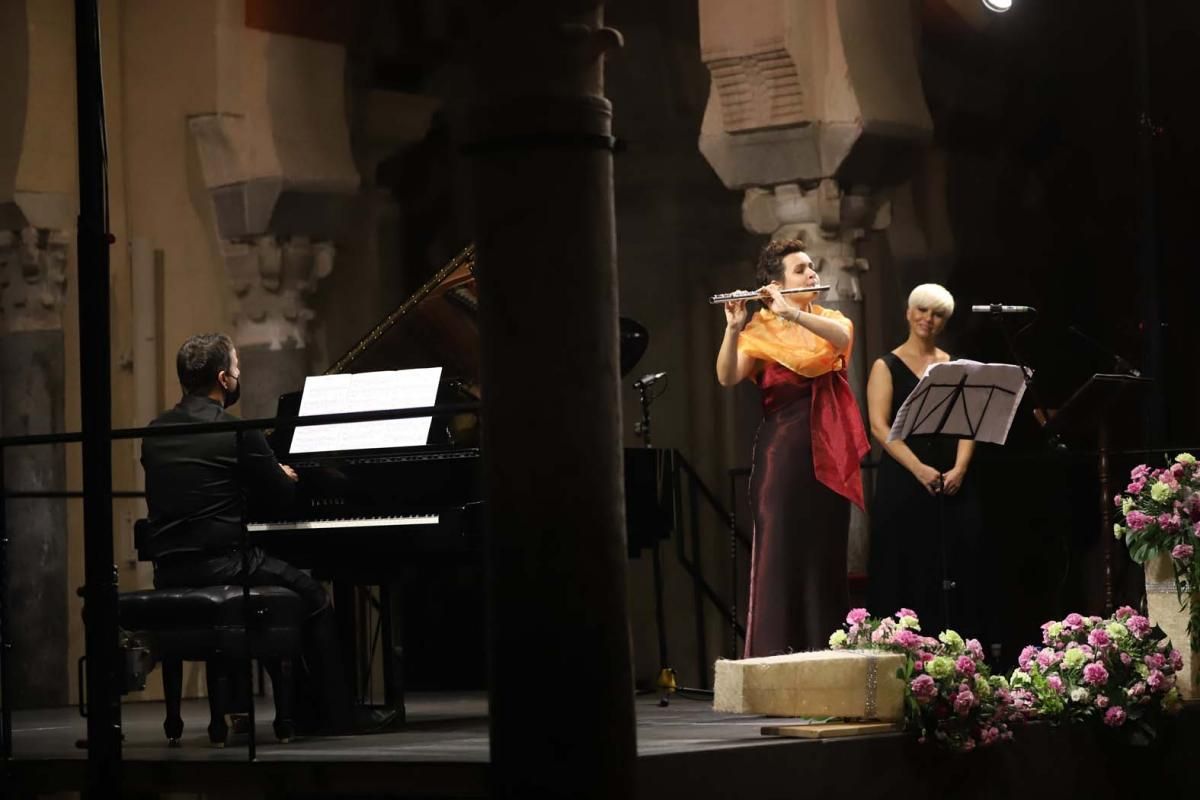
(998,6)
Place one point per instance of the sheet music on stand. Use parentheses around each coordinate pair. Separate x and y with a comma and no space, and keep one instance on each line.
(966,399)
(366,391)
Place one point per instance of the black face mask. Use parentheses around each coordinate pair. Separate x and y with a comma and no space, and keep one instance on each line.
(235,394)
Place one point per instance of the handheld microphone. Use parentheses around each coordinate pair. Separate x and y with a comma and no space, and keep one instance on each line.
(996,308)
(648,380)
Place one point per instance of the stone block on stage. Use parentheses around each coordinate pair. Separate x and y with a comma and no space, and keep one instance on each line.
(1165,610)
(852,684)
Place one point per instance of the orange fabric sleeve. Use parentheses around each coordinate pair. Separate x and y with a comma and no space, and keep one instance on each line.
(770,338)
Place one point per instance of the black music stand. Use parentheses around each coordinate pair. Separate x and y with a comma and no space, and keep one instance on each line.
(962,400)
(1085,420)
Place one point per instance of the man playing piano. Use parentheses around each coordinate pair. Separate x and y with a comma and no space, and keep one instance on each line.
(194,495)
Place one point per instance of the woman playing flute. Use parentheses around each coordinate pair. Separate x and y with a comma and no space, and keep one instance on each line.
(806,453)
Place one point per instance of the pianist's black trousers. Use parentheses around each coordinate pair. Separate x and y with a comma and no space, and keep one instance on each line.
(322,653)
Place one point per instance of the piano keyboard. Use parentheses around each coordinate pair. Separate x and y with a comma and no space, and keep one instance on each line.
(357,522)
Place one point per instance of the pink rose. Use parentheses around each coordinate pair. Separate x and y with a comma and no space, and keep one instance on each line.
(1176,659)
(856,616)
(1095,674)
(1099,638)
(963,702)
(1124,612)
(1138,689)
(1027,655)
(1055,683)
(965,665)
(1126,659)
(1137,520)
(1073,620)
(1155,661)
(906,639)
(905,612)
(1101,701)
(1138,625)
(1155,679)
(1114,717)
(1182,552)
(975,649)
(924,688)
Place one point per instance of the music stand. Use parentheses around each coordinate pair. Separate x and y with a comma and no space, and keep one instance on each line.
(962,400)
(1084,419)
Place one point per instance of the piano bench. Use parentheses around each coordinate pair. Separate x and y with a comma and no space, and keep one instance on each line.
(206,624)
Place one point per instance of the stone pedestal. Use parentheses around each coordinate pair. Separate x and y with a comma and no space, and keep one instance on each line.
(1163,607)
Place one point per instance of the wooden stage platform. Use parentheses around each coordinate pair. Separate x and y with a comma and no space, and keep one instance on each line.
(685,750)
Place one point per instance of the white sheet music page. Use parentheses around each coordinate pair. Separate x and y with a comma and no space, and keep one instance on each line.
(962,398)
(366,391)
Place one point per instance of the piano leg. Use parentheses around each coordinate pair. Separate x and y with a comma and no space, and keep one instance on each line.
(390,603)
(343,607)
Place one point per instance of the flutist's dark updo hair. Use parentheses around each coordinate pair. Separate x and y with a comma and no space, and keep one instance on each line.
(770,260)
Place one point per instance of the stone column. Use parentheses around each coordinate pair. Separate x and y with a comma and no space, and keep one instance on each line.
(271,280)
(33,264)
(537,143)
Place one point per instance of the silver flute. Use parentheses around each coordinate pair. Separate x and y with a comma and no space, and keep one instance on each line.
(743,294)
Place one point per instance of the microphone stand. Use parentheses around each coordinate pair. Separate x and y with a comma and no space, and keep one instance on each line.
(642,426)
(1118,361)
(666,682)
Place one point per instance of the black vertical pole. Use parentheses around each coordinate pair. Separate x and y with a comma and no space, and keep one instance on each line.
(247,614)
(100,587)
(5,644)
(1154,402)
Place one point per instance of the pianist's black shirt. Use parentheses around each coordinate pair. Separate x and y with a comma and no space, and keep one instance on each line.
(192,487)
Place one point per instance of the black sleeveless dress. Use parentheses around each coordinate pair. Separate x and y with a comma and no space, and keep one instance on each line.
(905,565)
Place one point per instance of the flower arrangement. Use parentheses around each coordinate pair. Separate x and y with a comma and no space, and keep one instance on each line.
(950,695)
(1120,670)
(1160,516)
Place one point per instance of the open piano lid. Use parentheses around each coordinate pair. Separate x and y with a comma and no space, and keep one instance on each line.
(437,325)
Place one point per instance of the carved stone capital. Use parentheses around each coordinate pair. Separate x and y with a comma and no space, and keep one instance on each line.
(270,280)
(803,89)
(828,220)
(33,278)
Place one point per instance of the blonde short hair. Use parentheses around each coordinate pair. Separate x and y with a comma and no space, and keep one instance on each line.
(934,296)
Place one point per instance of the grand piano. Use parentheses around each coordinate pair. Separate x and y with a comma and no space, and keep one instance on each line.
(410,520)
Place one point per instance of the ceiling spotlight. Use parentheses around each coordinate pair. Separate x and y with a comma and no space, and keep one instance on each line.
(997,6)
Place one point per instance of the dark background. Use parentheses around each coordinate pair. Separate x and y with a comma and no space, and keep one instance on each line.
(1066,132)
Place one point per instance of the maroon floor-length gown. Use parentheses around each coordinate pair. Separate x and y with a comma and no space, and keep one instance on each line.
(798,590)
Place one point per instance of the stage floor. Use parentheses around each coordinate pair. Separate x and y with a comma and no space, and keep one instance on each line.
(685,750)
(441,751)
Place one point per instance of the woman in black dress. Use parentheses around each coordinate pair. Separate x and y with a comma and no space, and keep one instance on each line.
(923,498)
(806,454)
